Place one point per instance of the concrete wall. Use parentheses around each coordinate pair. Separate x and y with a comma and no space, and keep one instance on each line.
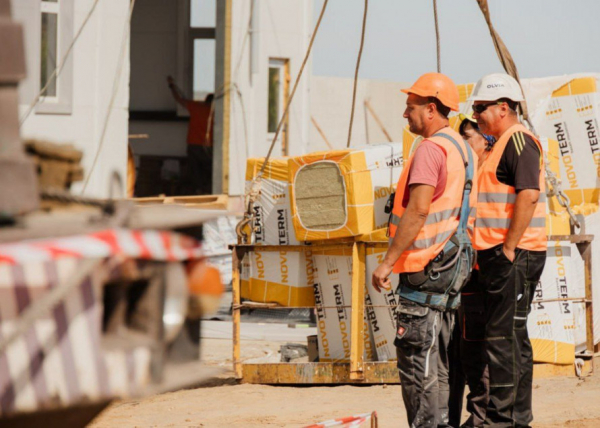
(283,31)
(95,57)
(330,100)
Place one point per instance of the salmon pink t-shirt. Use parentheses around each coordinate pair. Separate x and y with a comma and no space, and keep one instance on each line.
(428,167)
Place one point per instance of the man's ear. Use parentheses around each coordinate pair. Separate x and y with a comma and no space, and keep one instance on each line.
(504,110)
(431,110)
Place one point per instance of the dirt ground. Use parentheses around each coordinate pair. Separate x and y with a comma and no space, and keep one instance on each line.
(221,402)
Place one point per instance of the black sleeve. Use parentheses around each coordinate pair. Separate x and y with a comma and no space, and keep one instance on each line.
(520,163)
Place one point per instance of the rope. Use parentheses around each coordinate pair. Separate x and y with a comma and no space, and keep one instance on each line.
(510,67)
(437,36)
(362,42)
(58,69)
(116,82)
(554,188)
(253,190)
(287,106)
(503,54)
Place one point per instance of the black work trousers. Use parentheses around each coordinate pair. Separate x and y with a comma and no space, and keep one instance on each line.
(508,289)
(467,357)
(198,180)
(422,348)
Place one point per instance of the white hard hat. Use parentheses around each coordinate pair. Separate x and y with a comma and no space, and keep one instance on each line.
(495,86)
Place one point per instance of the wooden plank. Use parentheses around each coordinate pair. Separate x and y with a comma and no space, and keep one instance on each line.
(237,256)
(543,371)
(227,97)
(318,373)
(585,249)
(373,373)
(357,325)
(320,131)
(575,239)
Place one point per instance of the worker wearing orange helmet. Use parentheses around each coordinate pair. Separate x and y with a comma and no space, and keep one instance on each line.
(510,237)
(430,248)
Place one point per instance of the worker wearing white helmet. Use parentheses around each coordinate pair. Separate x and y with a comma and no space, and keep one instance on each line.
(510,236)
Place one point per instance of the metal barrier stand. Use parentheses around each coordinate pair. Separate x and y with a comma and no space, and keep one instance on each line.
(358,370)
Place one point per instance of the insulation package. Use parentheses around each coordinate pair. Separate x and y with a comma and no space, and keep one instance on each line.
(333,297)
(552,324)
(572,119)
(382,314)
(272,214)
(217,235)
(557,217)
(282,277)
(343,193)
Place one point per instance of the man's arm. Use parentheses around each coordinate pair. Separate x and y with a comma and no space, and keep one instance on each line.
(410,224)
(176,92)
(525,204)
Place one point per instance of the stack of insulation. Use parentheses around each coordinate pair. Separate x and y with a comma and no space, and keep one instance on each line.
(324,196)
(340,195)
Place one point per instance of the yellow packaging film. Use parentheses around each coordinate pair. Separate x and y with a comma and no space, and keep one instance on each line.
(551,324)
(283,277)
(343,193)
(379,235)
(333,298)
(381,308)
(272,213)
(572,118)
(557,218)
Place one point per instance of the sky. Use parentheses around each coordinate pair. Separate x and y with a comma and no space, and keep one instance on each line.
(544,37)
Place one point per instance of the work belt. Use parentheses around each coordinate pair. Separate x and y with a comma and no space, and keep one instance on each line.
(442,302)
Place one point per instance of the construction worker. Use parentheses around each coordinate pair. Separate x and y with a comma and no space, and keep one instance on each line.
(467,351)
(510,236)
(198,176)
(424,223)
(480,143)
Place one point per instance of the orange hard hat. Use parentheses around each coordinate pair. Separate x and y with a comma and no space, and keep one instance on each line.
(436,85)
(204,279)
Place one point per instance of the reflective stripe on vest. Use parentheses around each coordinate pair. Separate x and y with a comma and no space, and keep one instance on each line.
(504,223)
(495,203)
(432,217)
(500,198)
(442,221)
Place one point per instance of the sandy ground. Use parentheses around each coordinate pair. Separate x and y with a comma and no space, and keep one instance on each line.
(221,402)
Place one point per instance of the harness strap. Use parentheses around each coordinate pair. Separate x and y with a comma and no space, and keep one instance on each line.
(441,301)
(469,173)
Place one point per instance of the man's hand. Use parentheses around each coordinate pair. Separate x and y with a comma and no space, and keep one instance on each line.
(381,277)
(410,224)
(510,254)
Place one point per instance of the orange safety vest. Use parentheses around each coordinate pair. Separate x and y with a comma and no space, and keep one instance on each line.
(496,202)
(443,218)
